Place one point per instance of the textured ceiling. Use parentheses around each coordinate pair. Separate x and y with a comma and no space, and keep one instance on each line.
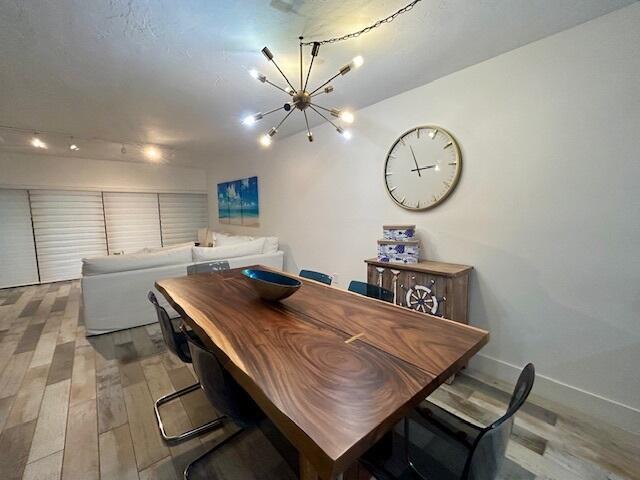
(175,73)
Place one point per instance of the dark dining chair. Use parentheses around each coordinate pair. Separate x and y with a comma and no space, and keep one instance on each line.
(447,447)
(317,276)
(369,290)
(176,342)
(224,394)
(207,267)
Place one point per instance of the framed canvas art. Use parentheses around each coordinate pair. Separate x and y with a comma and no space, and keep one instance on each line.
(238,202)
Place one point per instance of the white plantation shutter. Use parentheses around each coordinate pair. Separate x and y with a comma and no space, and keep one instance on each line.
(181,215)
(133,221)
(68,226)
(17,251)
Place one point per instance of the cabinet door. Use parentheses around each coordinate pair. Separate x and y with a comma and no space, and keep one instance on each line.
(423,292)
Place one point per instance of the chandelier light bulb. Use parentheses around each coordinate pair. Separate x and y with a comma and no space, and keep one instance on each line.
(257,75)
(346,116)
(251,119)
(346,134)
(357,61)
(265,140)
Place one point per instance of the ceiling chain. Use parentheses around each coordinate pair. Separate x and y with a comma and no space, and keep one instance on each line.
(348,36)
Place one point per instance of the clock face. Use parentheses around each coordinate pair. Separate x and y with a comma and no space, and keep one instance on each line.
(422,168)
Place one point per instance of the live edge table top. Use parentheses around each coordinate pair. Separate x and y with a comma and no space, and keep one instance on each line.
(331,394)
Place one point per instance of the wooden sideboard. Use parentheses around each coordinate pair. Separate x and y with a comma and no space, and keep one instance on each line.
(436,288)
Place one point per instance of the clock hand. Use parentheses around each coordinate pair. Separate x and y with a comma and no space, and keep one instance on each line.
(416,161)
(423,168)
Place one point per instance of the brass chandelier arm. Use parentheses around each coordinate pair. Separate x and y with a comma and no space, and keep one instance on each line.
(319,93)
(285,117)
(325,117)
(326,83)
(306,120)
(272,111)
(301,65)
(278,87)
(308,72)
(323,108)
(283,75)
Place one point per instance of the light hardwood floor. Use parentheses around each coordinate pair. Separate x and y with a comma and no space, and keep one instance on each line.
(73,407)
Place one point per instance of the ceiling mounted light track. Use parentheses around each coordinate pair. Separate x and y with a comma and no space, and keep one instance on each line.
(303,98)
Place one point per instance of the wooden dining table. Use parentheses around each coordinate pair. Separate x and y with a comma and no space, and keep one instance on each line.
(333,370)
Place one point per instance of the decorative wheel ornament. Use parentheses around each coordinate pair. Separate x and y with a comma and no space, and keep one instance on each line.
(423,299)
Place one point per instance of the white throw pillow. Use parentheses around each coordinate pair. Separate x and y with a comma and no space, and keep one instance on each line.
(224,239)
(253,247)
(270,245)
(135,261)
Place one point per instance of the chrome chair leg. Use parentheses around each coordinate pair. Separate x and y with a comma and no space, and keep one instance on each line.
(188,468)
(190,433)
(407,455)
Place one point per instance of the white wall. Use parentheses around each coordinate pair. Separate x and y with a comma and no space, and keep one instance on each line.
(547,209)
(33,171)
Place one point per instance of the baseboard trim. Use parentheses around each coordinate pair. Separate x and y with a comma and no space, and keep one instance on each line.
(572,398)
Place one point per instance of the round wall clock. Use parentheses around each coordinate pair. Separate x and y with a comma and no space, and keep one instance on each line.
(422,167)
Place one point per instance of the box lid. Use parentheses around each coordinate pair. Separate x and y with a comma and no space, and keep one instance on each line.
(398,227)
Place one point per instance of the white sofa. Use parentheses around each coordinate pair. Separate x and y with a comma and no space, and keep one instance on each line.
(114,288)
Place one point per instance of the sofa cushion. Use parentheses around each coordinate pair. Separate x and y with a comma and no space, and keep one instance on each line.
(136,261)
(253,247)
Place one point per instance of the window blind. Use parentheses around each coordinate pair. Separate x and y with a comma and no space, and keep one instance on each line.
(17,250)
(181,215)
(132,220)
(68,226)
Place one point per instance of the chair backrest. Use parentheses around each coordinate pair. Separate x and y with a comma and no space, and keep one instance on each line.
(317,276)
(222,390)
(207,267)
(490,446)
(370,290)
(172,338)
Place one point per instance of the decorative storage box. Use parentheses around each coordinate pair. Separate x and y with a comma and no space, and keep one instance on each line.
(399,232)
(397,251)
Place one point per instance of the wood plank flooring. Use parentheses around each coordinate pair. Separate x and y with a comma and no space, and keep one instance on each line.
(73,407)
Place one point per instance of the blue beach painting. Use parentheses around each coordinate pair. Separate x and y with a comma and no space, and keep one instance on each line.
(238,202)
(250,204)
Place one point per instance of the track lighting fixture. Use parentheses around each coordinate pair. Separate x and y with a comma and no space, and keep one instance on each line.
(37,143)
(73,146)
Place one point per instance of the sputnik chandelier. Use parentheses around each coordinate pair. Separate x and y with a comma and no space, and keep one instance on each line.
(303,98)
